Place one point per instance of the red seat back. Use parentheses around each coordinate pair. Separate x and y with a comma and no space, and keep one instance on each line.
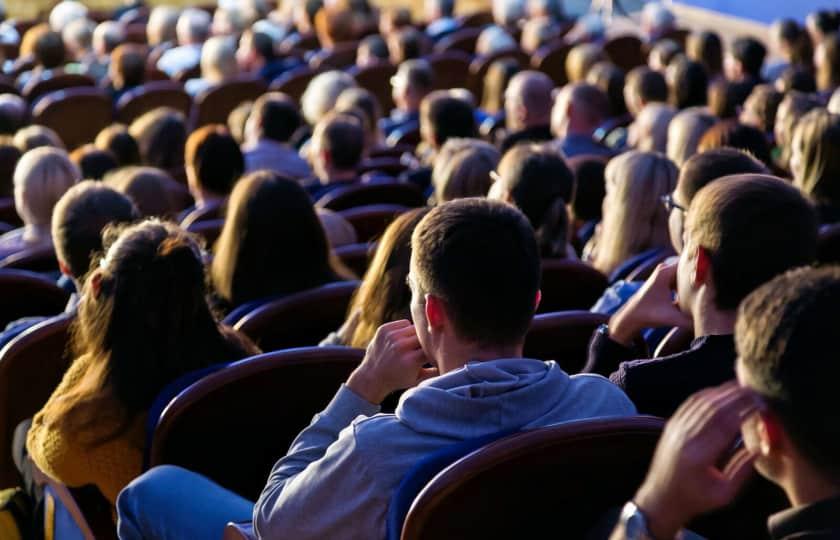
(342,55)
(76,114)
(35,259)
(371,221)
(451,69)
(480,65)
(383,192)
(152,95)
(215,104)
(463,40)
(564,337)
(377,80)
(569,284)
(356,257)
(27,294)
(59,80)
(551,60)
(293,83)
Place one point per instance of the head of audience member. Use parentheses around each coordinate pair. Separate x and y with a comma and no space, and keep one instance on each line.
(256,49)
(728,228)
(66,12)
(699,171)
(372,50)
(783,336)
(459,251)
(143,321)
(815,160)
(230,20)
(41,177)
(508,13)
(687,83)
(538,182)
(590,189)
(49,51)
(610,79)
(407,44)
(465,171)
(579,109)
(302,14)
(438,9)
(78,38)
(9,156)
(116,139)
(634,219)
(161,28)
(78,220)
(412,82)
(744,60)
(581,59)
(268,218)
(321,94)
(13,110)
(150,189)
(193,27)
(274,117)
(796,78)
(35,136)
(589,28)
(649,132)
(361,100)
(443,116)
(160,135)
(705,48)
(394,19)
(333,25)
(93,163)
(237,120)
(213,163)
(496,81)
(642,86)
(821,23)
(792,108)
(492,40)
(792,42)
(729,133)
(337,147)
(528,101)
(684,133)
(107,36)
(760,108)
(657,20)
(726,98)
(538,32)
(827,62)
(218,60)
(663,53)
(384,295)
(549,9)
(127,68)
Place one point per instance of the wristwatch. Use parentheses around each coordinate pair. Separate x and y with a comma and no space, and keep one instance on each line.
(635,523)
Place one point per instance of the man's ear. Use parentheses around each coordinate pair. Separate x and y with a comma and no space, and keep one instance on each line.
(435,313)
(702,266)
(64,269)
(537,300)
(771,434)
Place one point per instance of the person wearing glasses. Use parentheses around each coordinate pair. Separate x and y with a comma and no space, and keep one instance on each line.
(738,232)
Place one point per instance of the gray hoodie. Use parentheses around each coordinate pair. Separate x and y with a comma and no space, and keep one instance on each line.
(341,471)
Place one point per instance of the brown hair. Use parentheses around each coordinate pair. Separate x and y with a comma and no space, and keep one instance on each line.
(214,157)
(128,66)
(467,171)
(818,136)
(160,135)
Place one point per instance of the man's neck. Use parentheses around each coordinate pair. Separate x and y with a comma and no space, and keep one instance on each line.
(710,321)
(457,354)
(807,485)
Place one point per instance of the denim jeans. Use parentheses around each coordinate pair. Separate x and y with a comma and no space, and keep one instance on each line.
(171,503)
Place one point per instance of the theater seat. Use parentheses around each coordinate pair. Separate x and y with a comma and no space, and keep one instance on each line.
(563,337)
(675,341)
(463,40)
(36,259)
(377,80)
(371,221)
(480,65)
(215,104)
(239,531)
(551,60)
(555,482)
(341,56)
(76,114)
(294,82)
(451,69)
(28,294)
(75,513)
(8,212)
(625,51)
(356,257)
(209,230)
(388,166)
(569,284)
(59,80)
(828,244)
(234,424)
(380,192)
(152,95)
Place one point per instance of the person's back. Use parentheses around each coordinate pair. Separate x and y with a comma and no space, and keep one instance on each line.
(273,121)
(579,109)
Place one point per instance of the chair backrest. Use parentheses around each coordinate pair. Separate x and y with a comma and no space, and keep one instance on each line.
(152,95)
(35,259)
(293,83)
(340,56)
(372,220)
(71,513)
(477,19)
(480,65)
(406,136)
(451,68)
(193,72)
(10,51)
(8,212)
(135,32)
(675,341)
(299,320)
(569,284)
(640,264)
(551,60)
(356,257)
(564,337)
(384,192)
(28,294)
(625,51)
(463,40)
(208,229)
(377,80)
(587,467)
(828,244)
(267,399)
(7,85)
(76,114)
(387,166)
(31,366)
(215,104)
(646,268)
(59,80)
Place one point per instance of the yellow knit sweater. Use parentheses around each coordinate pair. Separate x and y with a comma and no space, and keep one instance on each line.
(68,457)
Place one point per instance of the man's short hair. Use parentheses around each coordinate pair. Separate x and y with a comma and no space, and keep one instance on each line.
(78,219)
(343,137)
(49,50)
(648,84)
(447,116)
(751,53)
(590,100)
(480,257)
(216,158)
(263,44)
(785,336)
(701,169)
(279,116)
(418,75)
(754,227)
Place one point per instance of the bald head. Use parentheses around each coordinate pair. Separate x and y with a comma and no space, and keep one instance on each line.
(528,100)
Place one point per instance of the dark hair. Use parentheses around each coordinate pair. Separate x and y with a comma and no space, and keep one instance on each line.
(688,83)
(263,44)
(481,258)
(407,43)
(496,81)
(93,162)
(447,116)
(214,156)
(705,47)
(49,50)
(784,336)
(797,78)
(726,97)
(750,53)
(828,73)
(9,156)
(590,187)
(540,184)
(279,116)
(376,45)
(610,79)
(160,134)
(649,84)
(701,169)
(754,227)
(129,62)
(826,20)
(147,187)
(818,133)
(762,103)
(797,41)
(736,135)
(79,218)
(120,143)
(343,136)
(272,242)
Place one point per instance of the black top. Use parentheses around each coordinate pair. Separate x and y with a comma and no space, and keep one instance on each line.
(816,521)
(659,386)
(533,134)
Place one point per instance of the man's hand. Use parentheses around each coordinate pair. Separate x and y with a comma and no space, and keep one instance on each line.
(394,360)
(685,479)
(652,306)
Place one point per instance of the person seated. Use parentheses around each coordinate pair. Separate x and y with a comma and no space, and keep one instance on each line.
(662,53)
(815,162)
(93,163)
(705,48)
(508,14)
(760,109)
(143,322)
(733,134)
(463,169)
(126,70)
(537,33)
(256,55)
(684,133)
(413,82)
(270,217)
(107,36)
(649,132)
(821,23)
(160,134)
(273,120)
(657,21)
(728,227)
(688,83)
(192,30)
(218,65)
(49,57)
(407,43)
(392,20)
(539,183)
(372,51)
(153,191)
(528,101)
(8,33)
(361,102)
(35,136)
(117,140)
(161,31)
(64,13)
(213,163)
(41,177)
(13,111)
(610,79)
(321,94)
(336,151)
(827,63)
(78,41)
(579,109)
(743,63)
(492,108)
(440,18)
(792,108)
(772,421)
(463,364)
(383,295)
(794,48)
(642,86)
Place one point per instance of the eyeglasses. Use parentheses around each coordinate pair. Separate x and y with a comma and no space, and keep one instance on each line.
(670,204)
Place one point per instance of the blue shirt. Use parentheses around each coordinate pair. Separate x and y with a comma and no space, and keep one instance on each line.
(582,145)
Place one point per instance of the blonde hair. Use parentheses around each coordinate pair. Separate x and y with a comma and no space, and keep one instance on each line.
(463,169)
(634,218)
(651,127)
(322,93)
(35,136)
(685,131)
(41,177)
(218,59)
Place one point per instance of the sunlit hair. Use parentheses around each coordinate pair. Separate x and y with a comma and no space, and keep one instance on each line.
(817,136)
(41,177)
(685,131)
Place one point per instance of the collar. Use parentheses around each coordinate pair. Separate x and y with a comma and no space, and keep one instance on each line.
(818,520)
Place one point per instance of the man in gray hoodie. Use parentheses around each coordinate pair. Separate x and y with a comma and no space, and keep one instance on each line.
(475,272)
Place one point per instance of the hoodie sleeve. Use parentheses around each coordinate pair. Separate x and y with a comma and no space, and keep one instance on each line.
(322,488)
